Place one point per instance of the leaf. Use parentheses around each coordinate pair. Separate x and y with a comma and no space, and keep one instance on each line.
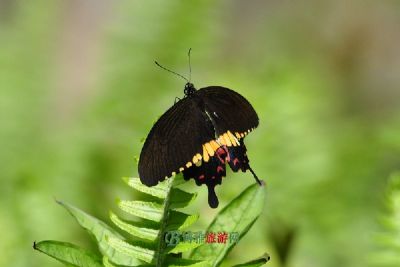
(180,198)
(146,210)
(238,216)
(107,263)
(68,253)
(183,247)
(137,252)
(179,220)
(160,190)
(99,231)
(177,180)
(141,232)
(179,262)
(387,239)
(255,263)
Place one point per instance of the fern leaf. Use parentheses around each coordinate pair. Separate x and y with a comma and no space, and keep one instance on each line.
(69,254)
(388,240)
(160,217)
(130,228)
(137,252)
(159,191)
(165,215)
(143,209)
(180,198)
(100,230)
(178,262)
(183,247)
(238,216)
(179,220)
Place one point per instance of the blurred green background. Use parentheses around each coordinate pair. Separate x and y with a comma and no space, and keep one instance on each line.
(79,90)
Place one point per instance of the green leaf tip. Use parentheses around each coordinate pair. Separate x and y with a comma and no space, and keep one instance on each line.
(159,191)
(68,253)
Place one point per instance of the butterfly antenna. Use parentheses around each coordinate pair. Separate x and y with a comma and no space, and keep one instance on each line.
(164,68)
(190,66)
(255,176)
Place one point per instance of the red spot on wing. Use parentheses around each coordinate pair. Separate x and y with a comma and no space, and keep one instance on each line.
(220,169)
(223,154)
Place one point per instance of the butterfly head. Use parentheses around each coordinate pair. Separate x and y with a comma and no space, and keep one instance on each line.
(189,89)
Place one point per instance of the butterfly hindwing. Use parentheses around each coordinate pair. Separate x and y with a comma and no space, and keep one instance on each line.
(210,173)
(174,141)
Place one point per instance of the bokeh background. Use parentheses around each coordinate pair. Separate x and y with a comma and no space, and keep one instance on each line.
(79,90)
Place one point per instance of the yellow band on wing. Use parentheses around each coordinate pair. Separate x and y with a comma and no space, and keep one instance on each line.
(209,149)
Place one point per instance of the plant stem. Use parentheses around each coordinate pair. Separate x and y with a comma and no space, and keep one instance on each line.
(160,256)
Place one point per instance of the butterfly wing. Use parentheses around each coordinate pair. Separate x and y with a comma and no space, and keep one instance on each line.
(229,111)
(232,118)
(198,136)
(175,141)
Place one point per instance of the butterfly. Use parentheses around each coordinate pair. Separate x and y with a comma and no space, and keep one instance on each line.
(198,136)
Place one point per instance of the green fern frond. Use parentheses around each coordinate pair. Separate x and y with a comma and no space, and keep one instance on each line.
(388,240)
(163,214)
(145,243)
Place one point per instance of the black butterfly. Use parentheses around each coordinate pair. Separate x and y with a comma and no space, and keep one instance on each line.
(198,135)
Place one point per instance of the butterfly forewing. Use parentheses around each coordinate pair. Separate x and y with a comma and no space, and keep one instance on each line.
(175,139)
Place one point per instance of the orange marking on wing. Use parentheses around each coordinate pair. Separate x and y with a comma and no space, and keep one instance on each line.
(209,149)
(221,140)
(233,139)
(214,145)
(227,139)
(198,156)
(205,154)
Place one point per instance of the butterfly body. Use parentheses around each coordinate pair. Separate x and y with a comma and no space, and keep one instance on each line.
(198,136)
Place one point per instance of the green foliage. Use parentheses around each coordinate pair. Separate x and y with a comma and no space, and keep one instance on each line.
(78,89)
(389,239)
(69,254)
(145,244)
(238,216)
